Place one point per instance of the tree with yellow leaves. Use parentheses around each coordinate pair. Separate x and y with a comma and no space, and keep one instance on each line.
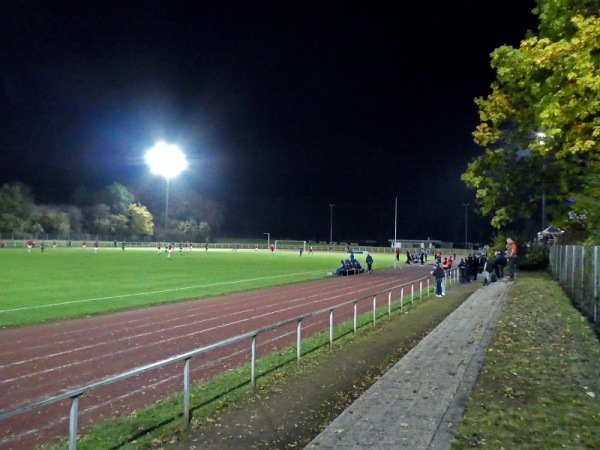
(540,125)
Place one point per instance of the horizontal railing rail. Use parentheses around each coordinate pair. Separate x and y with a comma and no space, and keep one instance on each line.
(74,394)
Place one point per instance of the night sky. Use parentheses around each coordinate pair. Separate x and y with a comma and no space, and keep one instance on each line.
(282,108)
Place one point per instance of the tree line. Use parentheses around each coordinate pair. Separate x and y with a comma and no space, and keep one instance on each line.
(540,127)
(110,211)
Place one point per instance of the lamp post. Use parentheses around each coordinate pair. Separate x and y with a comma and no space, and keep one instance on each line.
(331,205)
(268,239)
(540,137)
(466,205)
(167,161)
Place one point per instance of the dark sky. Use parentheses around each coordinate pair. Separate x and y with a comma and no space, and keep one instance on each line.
(282,107)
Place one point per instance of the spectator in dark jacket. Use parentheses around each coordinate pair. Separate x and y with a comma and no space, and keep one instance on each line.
(439,274)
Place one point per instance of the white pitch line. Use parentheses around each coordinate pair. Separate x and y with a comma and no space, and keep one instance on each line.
(138,294)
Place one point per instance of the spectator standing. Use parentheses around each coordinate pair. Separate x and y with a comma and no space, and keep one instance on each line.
(444,282)
(398,254)
(511,256)
(369,261)
(462,269)
(474,265)
(490,266)
(439,275)
(500,263)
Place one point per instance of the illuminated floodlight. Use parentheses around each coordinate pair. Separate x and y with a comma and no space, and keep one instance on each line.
(166,160)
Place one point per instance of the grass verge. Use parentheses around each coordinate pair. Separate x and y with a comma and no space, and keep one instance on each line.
(540,382)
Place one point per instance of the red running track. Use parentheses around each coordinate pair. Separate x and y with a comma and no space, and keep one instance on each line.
(44,360)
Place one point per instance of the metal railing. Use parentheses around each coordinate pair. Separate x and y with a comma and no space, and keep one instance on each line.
(74,394)
(577,270)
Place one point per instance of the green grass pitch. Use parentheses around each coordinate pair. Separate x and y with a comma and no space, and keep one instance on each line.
(66,283)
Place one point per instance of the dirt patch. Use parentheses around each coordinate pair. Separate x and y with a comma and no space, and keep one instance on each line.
(290,412)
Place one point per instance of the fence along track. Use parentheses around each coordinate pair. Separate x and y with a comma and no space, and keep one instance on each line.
(577,270)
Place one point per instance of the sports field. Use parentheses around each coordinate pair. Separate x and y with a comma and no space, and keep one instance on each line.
(65,283)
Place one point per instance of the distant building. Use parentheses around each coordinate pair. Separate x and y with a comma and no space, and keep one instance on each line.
(419,243)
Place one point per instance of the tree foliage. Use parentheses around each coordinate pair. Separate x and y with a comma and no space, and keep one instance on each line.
(51,219)
(16,208)
(141,222)
(117,197)
(540,125)
(109,211)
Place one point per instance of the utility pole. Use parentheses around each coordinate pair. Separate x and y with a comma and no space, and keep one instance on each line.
(331,205)
(395,229)
(466,205)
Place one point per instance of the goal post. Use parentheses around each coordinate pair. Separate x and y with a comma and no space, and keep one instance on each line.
(290,245)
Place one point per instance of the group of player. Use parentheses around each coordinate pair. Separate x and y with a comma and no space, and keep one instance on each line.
(352,266)
(31,244)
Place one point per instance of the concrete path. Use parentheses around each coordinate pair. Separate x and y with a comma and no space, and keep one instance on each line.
(420,401)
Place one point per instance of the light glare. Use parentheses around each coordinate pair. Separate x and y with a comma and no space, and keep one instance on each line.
(166,160)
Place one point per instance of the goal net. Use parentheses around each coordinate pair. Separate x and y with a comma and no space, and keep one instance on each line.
(290,245)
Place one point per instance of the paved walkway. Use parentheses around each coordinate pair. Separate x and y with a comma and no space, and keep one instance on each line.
(419,402)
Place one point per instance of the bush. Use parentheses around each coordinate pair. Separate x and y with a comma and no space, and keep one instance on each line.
(533,257)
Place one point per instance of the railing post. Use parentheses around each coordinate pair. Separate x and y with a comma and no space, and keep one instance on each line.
(390,304)
(355,316)
(298,341)
(428,288)
(331,329)
(401,298)
(412,293)
(374,309)
(421,290)
(73,415)
(253,363)
(186,393)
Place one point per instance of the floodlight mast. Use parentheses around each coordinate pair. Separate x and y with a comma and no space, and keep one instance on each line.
(331,205)
(168,161)
(466,205)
